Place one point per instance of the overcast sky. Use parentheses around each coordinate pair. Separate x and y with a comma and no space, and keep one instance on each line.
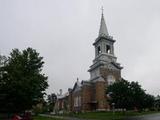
(63,31)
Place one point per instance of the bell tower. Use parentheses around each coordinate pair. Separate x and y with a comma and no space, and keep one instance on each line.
(104,44)
(105,66)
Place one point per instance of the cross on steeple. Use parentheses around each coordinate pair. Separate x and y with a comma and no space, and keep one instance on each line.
(102,9)
(103,28)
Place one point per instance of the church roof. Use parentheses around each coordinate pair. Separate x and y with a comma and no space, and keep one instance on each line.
(63,95)
(77,86)
(103,28)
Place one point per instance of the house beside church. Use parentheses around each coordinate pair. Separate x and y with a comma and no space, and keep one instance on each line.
(90,95)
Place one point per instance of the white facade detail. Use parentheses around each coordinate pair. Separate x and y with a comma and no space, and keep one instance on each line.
(110,79)
(95,73)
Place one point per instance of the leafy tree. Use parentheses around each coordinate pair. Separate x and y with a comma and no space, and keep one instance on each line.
(138,95)
(3,61)
(41,107)
(51,101)
(120,94)
(149,101)
(157,103)
(129,95)
(24,83)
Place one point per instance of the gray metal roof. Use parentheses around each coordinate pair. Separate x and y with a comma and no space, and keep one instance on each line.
(103,28)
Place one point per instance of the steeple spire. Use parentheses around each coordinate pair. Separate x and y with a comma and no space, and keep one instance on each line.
(103,28)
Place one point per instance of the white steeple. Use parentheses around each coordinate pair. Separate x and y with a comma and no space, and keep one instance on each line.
(103,28)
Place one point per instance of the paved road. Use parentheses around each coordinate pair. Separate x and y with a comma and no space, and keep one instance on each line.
(146,117)
(155,116)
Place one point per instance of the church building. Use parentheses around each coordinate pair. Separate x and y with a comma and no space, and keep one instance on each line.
(90,95)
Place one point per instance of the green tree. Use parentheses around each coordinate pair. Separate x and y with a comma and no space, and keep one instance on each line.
(157,103)
(149,101)
(51,101)
(138,95)
(120,94)
(129,95)
(24,83)
(3,61)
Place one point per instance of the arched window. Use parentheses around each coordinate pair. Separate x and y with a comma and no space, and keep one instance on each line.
(99,50)
(108,49)
(77,101)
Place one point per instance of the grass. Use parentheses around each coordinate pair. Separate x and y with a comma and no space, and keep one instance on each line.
(45,118)
(109,115)
(100,115)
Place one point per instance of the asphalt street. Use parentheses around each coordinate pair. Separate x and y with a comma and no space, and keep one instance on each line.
(146,117)
(155,116)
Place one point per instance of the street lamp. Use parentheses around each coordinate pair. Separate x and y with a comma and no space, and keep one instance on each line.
(113,109)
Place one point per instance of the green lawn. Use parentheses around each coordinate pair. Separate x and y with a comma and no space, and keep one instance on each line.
(109,115)
(45,118)
(99,115)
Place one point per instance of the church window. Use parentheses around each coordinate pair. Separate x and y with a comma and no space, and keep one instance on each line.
(58,104)
(74,102)
(110,79)
(99,50)
(62,104)
(108,49)
(79,101)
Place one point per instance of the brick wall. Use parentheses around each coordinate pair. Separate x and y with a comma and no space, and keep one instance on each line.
(100,95)
(86,97)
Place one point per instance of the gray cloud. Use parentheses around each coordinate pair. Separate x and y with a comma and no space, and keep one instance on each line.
(63,32)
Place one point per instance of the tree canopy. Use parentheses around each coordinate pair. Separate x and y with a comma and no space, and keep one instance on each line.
(51,101)
(129,95)
(22,83)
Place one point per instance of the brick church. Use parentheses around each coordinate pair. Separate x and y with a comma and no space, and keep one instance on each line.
(91,95)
